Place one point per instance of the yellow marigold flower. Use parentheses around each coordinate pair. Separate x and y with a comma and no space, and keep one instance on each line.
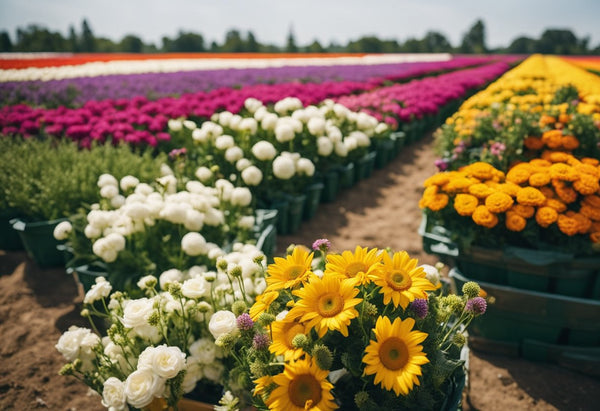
(458,184)
(498,202)
(564,192)
(552,138)
(515,222)
(584,223)
(558,205)
(555,156)
(430,191)
(509,188)
(438,179)
(465,204)
(590,161)
(590,212)
(479,170)
(593,200)
(561,171)
(519,174)
(567,225)
(480,190)
(540,163)
(530,196)
(583,168)
(533,143)
(523,210)
(539,179)
(546,216)
(483,217)
(569,142)
(437,202)
(586,184)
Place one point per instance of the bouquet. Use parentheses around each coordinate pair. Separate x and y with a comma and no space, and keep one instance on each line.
(369,329)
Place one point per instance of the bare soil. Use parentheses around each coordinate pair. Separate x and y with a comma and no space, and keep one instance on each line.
(37,305)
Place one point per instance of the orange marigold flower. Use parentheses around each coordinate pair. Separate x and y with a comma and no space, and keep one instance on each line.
(465,204)
(570,142)
(552,138)
(438,179)
(437,202)
(509,188)
(564,118)
(458,185)
(547,192)
(590,161)
(586,184)
(546,119)
(515,222)
(483,217)
(545,216)
(595,237)
(498,202)
(519,173)
(593,213)
(583,168)
(567,225)
(522,210)
(555,156)
(539,179)
(530,196)
(593,200)
(564,192)
(533,143)
(563,171)
(540,162)
(555,204)
(479,170)
(480,190)
(430,191)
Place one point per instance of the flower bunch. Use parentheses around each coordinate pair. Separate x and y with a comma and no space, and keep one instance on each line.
(162,345)
(552,201)
(356,330)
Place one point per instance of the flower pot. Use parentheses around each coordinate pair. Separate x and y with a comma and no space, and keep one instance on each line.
(267,240)
(384,151)
(346,175)
(399,138)
(313,197)
(86,275)
(39,242)
(364,166)
(296,211)
(9,237)
(331,183)
(282,206)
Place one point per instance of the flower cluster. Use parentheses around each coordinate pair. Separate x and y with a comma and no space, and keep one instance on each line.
(162,345)
(358,330)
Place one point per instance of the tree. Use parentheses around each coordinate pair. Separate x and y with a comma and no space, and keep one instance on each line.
(73,41)
(474,40)
(88,42)
(558,41)
(36,38)
(131,44)
(5,42)
(252,45)
(315,47)
(233,42)
(435,42)
(290,45)
(522,45)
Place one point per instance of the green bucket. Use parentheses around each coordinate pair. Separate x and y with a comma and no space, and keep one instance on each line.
(39,242)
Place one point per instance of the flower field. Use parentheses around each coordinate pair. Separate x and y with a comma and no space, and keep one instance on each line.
(166,183)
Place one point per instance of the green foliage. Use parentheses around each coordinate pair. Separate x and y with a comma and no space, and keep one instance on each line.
(45,179)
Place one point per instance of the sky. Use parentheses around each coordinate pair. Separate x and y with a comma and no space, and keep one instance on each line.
(324,20)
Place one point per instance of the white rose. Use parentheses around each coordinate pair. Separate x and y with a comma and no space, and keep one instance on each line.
(269,121)
(103,249)
(147,281)
(234,122)
(91,231)
(351,143)
(224,142)
(241,196)
(164,361)
(175,125)
(100,290)
(62,230)
(200,135)
(189,124)
(203,174)
(136,312)
(284,132)
(109,191)
(113,394)
(196,287)
(283,168)
(203,350)
(341,149)
(324,146)
(222,322)
(128,182)
(252,176)
(116,241)
(233,154)
(361,138)
(316,126)
(260,113)
(193,374)
(252,104)
(170,276)
(264,151)
(306,167)
(69,343)
(193,244)
(107,180)
(142,386)
(381,128)
(334,134)
(432,274)
(248,124)
(246,222)
(214,371)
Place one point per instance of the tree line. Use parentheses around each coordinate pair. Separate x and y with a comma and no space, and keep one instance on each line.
(36,38)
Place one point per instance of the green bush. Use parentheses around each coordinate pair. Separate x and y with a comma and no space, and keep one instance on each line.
(48,179)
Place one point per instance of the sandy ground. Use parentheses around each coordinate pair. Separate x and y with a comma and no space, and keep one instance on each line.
(37,305)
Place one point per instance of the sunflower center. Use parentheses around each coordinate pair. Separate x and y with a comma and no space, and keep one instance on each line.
(304,388)
(295,271)
(330,305)
(393,353)
(354,268)
(294,330)
(399,281)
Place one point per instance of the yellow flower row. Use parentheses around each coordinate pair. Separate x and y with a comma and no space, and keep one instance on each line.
(541,189)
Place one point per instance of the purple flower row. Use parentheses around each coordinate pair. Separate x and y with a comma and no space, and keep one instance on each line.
(78,91)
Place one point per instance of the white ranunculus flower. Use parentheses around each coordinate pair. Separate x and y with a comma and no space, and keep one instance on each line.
(351,143)
(147,281)
(109,191)
(169,182)
(305,166)
(324,146)
(136,312)
(103,249)
(269,121)
(242,164)
(107,180)
(175,212)
(195,187)
(334,134)
(175,124)
(234,122)
(170,276)
(141,386)
(252,104)
(284,132)
(264,151)
(224,118)
(164,361)
(213,371)
(194,220)
(341,149)
(381,128)
(248,124)
(200,135)
(203,174)
(92,232)
(222,322)
(128,182)
(116,241)
(69,343)
(137,211)
(165,170)
(241,196)
(316,126)
(193,374)
(62,230)
(283,168)
(246,222)
(117,201)
(252,176)
(260,113)
(362,140)
(193,243)
(189,124)
(113,394)
(203,350)
(101,289)
(196,287)
(214,217)
(143,189)
(233,154)
(432,274)
(224,142)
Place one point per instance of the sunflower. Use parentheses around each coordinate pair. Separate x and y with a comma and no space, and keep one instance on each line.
(262,304)
(326,304)
(284,332)
(291,271)
(302,386)
(357,266)
(401,281)
(396,356)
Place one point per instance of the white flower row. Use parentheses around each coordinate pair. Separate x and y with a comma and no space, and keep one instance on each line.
(173,65)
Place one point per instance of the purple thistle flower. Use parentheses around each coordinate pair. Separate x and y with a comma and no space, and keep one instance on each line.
(420,307)
(321,244)
(260,341)
(476,305)
(244,322)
